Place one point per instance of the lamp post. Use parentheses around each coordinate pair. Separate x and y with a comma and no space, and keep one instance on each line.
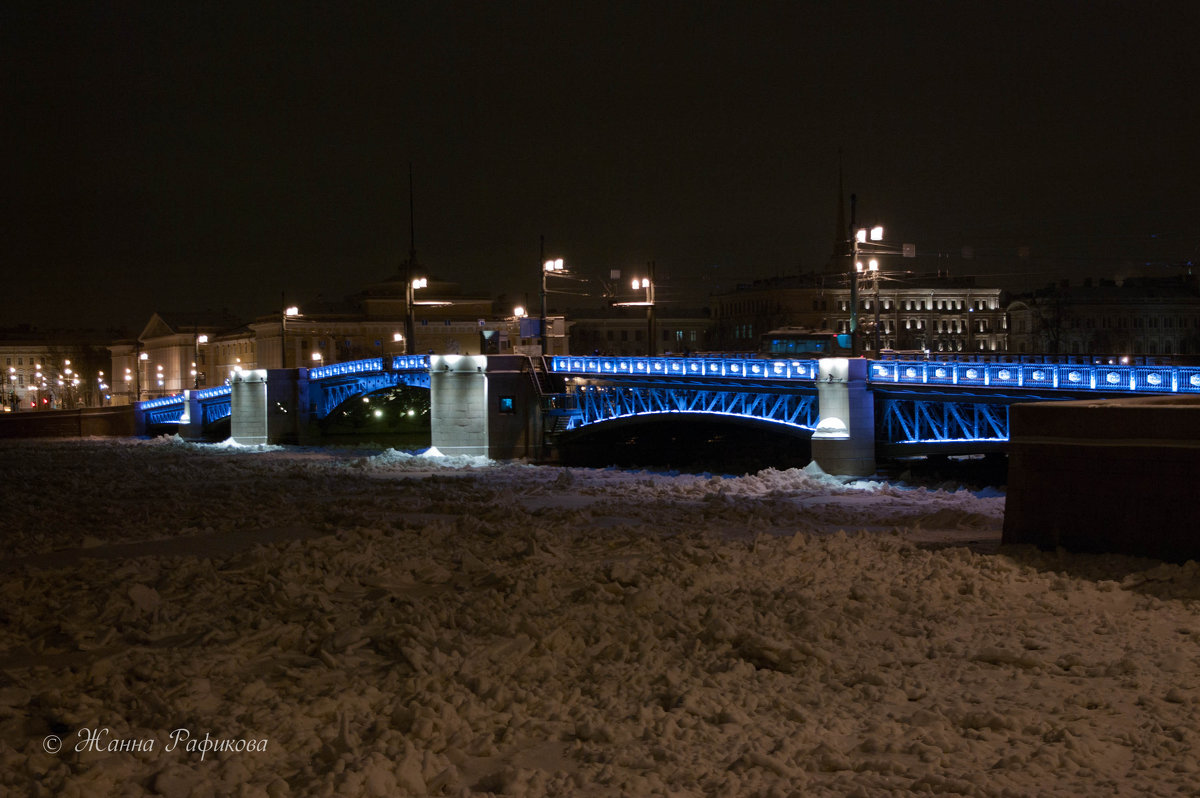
(143,357)
(289,311)
(68,382)
(862,238)
(549,267)
(410,323)
(200,339)
(647,283)
(872,268)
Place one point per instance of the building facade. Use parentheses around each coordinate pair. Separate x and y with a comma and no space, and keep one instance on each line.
(1138,316)
(180,351)
(61,370)
(626,331)
(931,313)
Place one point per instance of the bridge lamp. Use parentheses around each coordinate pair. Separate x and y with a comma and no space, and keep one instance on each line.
(549,267)
(862,236)
(397,337)
(410,332)
(519,312)
(317,357)
(291,311)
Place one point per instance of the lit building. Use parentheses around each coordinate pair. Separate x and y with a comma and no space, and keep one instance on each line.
(934,313)
(624,331)
(174,352)
(1138,316)
(179,351)
(52,370)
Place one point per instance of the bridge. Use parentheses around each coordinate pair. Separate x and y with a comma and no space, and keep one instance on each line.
(328,387)
(508,406)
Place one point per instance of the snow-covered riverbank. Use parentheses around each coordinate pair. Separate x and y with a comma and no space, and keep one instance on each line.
(392,625)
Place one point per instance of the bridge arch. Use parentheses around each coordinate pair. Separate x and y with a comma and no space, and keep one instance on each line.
(399,405)
(705,441)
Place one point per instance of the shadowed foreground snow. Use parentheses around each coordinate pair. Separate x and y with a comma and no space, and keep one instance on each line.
(396,625)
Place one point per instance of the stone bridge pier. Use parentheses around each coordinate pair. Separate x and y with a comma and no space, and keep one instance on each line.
(844,440)
(479,406)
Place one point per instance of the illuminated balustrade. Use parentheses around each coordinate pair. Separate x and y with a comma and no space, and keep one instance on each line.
(736,368)
(1133,379)
(369,365)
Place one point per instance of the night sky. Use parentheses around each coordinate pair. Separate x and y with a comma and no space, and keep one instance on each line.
(187,156)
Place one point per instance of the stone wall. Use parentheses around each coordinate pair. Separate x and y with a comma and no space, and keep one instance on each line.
(1113,475)
(105,422)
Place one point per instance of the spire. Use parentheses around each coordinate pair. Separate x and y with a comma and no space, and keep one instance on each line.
(837,262)
(412,227)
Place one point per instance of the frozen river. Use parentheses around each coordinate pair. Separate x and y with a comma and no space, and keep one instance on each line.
(214,620)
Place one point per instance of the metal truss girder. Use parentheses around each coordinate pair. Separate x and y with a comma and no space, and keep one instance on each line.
(333,391)
(605,403)
(915,420)
(215,411)
(166,414)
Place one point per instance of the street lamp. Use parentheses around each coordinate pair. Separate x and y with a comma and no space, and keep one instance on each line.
(289,312)
(200,339)
(549,267)
(872,269)
(410,328)
(859,240)
(647,283)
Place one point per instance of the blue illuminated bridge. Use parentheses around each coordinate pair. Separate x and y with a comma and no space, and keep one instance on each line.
(329,386)
(917,406)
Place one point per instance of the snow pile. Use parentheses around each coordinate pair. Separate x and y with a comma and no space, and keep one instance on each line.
(531,631)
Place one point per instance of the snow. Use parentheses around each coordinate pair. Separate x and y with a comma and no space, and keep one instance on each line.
(392,624)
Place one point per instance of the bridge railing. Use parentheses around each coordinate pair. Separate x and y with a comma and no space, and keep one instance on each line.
(737,368)
(368,365)
(1132,379)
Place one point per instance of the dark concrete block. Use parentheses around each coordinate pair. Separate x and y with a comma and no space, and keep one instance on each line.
(1111,475)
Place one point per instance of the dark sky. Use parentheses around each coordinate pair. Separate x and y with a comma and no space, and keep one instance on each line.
(190,155)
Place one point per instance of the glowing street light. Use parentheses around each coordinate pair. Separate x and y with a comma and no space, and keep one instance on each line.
(553,266)
(863,237)
(410,323)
